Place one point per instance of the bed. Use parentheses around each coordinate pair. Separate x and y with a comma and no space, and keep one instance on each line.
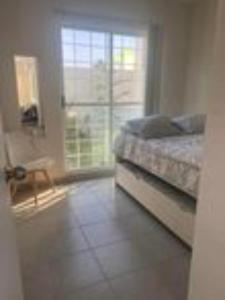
(177,160)
(163,175)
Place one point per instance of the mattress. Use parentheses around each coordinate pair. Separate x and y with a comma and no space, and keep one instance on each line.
(176,160)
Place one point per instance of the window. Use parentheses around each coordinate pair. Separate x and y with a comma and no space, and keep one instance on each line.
(27,89)
(104,87)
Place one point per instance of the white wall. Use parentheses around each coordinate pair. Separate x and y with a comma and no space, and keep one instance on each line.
(208,269)
(200,55)
(10,279)
(31,29)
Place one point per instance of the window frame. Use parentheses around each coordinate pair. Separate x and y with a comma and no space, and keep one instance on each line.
(111,104)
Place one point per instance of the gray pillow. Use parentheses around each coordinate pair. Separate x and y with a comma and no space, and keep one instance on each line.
(191,124)
(156,126)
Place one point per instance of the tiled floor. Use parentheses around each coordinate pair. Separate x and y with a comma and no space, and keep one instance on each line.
(97,243)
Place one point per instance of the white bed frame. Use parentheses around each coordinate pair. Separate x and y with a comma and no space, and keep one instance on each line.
(173,208)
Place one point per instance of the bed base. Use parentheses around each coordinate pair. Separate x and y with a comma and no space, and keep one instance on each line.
(173,208)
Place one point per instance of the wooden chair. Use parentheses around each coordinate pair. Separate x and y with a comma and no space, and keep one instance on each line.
(22,151)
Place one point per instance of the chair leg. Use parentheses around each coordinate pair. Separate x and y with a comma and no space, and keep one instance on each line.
(34,184)
(12,188)
(49,179)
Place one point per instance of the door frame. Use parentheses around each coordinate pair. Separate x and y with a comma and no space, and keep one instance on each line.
(69,21)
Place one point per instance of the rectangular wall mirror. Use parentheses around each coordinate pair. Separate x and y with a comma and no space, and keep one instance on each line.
(28,90)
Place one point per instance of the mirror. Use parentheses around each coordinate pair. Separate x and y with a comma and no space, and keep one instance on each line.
(26,69)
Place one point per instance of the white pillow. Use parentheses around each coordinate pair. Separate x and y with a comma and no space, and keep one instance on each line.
(191,124)
(155,126)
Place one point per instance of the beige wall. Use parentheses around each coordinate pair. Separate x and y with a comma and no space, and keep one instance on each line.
(199,61)
(208,268)
(29,27)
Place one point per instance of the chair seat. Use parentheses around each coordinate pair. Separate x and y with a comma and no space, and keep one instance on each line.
(39,164)
(23,150)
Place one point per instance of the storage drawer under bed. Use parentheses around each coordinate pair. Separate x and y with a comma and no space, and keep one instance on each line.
(173,208)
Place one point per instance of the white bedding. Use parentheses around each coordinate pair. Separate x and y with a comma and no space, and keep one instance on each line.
(176,160)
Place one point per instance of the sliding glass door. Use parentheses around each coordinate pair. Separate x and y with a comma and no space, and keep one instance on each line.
(104,78)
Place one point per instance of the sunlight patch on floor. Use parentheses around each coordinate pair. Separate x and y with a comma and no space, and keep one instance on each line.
(46,199)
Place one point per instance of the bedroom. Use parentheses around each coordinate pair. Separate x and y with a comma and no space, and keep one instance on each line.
(85,237)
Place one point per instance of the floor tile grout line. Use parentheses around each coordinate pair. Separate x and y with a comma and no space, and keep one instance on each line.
(129,238)
(91,247)
(94,256)
(92,251)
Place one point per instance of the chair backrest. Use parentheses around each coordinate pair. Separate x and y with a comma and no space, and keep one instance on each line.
(20,148)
